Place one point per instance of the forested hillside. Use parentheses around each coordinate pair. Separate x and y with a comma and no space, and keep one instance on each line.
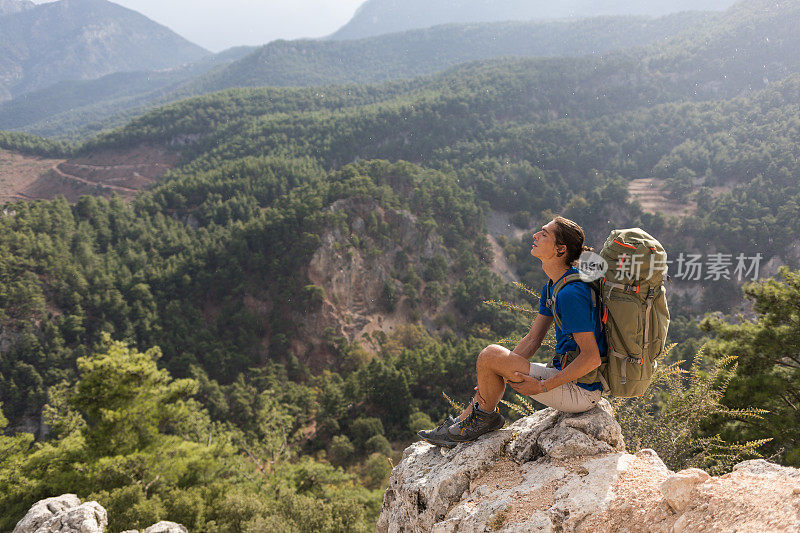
(313,273)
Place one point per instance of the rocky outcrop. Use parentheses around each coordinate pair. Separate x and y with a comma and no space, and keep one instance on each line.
(63,513)
(66,514)
(554,471)
(162,527)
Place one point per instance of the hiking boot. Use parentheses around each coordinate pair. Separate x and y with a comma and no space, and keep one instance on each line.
(475,425)
(438,436)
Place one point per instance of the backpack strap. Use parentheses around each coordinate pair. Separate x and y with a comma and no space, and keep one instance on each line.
(650,297)
(555,289)
(550,304)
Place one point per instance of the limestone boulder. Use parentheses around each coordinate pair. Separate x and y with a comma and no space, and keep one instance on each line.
(765,469)
(166,527)
(44,510)
(64,514)
(550,470)
(679,488)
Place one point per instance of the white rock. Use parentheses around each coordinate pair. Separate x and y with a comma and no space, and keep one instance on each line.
(44,510)
(89,517)
(654,461)
(763,468)
(435,489)
(166,527)
(590,433)
(678,488)
(682,525)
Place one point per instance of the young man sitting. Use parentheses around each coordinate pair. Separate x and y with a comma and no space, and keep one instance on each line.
(579,345)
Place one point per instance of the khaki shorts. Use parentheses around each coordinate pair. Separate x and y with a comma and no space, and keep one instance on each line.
(569,397)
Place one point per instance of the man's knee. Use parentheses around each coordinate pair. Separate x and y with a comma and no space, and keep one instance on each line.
(492,355)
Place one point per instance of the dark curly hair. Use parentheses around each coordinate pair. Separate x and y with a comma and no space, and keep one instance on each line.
(568,233)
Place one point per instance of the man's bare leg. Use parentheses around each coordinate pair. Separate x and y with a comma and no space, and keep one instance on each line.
(495,366)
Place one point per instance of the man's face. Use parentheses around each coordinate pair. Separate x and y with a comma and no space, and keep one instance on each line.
(544,243)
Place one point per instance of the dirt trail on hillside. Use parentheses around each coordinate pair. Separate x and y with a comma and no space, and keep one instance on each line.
(107,172)
(653,200)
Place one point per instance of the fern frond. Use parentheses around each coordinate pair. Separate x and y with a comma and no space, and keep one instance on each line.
(522,410)
(508,340)
(510,306)
(526,402)
(526,290)
(748,412)
(454,404)
(670,416)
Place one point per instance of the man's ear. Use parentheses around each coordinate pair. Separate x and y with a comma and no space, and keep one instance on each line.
(561,250)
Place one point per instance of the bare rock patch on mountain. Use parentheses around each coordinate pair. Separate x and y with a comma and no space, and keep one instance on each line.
(102,173)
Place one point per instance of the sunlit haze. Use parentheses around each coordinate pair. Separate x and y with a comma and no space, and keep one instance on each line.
(219,25)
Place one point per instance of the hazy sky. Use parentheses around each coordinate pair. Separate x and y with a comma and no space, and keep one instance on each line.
(220,24)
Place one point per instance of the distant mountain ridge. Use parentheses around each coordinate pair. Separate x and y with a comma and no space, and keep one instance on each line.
(377,17)
(66,107)
(79,40)
(85,105)
(419,52)
(14,6)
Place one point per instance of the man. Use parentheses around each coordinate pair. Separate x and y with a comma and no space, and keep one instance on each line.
(579,345)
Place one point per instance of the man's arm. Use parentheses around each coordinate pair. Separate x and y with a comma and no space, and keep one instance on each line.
(587,360)
(533,340)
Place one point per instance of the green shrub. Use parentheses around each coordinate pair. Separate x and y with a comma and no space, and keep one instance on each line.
(419,421)
(340,450)
(672,413)
(376,471)
(378,444)
(365,427)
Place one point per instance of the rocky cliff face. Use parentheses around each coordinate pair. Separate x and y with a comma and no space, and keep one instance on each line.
(354,266)
(554,472)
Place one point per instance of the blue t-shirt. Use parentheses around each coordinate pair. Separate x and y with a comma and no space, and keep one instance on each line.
(577,314)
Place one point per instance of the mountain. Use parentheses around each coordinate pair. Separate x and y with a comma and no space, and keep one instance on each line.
(376,17)
(82,39)
(749,47)
(73,107)
(314,269)
(14,6)
(418,52)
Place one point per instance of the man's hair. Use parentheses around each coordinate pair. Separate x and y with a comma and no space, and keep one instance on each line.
(568,233)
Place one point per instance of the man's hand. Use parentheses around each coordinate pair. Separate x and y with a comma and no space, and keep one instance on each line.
(527,385)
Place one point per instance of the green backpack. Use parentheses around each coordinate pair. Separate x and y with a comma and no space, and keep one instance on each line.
(634,310)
